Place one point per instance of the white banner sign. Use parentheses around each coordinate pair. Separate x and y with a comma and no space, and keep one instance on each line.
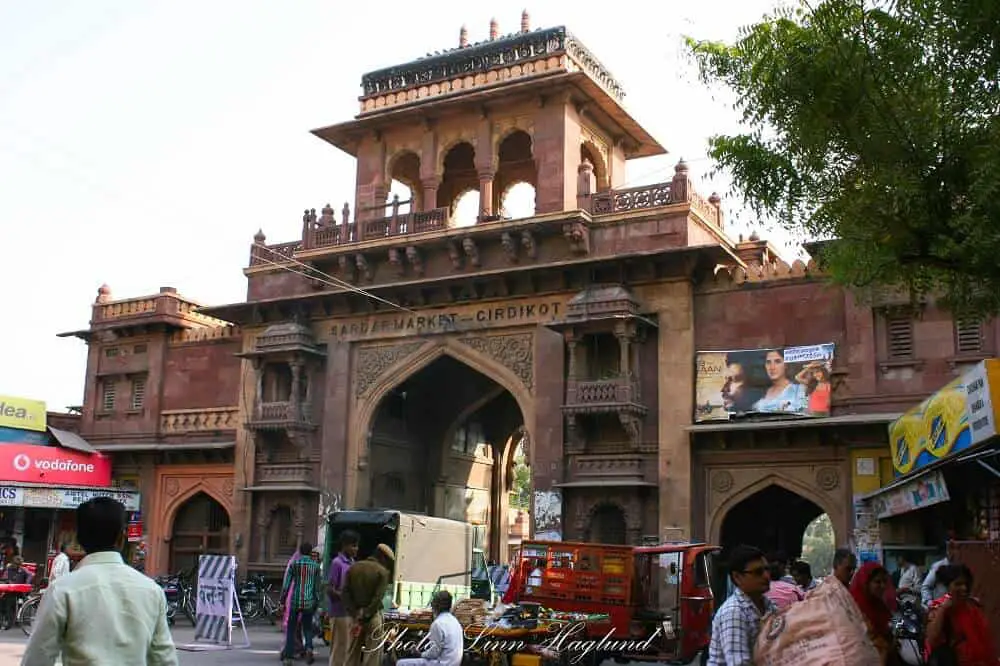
(62,498)
(216,590)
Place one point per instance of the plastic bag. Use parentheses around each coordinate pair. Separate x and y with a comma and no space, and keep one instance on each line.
(825,629)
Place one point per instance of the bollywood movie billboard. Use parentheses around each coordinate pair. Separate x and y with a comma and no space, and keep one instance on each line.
(789,380)
(958,417)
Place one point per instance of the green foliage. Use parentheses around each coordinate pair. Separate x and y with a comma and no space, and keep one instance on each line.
(876,124)
(818,545)
(520,497)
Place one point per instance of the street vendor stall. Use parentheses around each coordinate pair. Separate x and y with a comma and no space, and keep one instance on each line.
(522,635)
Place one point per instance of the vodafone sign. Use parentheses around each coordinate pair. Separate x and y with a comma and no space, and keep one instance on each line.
(53,465)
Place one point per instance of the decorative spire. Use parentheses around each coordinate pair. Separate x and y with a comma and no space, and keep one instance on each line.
(494,29)
(463,37)
(754,236)
(681,167)
(103,294)
(259,237)
(525,21)
(715,199)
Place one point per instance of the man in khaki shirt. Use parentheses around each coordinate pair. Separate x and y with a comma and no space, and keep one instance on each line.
(104,613)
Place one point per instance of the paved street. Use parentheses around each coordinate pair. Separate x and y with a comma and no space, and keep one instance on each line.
(264,645)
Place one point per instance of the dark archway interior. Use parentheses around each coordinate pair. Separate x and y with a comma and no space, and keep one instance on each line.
(607,525)
(773,519)
(201,527)
(459,174)
(437,441)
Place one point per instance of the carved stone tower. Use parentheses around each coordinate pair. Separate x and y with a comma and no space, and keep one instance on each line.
(534,106)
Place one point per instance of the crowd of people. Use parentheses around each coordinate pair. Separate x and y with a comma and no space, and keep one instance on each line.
(956,630)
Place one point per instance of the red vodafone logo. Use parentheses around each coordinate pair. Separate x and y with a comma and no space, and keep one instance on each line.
(22,462)
(53,465)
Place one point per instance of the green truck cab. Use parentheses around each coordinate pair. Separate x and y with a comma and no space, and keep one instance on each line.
(431,554)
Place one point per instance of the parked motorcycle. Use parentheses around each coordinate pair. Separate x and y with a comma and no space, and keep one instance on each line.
(172,591)
(256,601)
(908,629)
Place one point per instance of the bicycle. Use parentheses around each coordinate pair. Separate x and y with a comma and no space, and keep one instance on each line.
(26,613)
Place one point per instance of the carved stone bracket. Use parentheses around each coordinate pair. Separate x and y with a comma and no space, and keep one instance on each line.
(396,261)
(364,269)
(472,252)
(413,256)
(515,352)
(509,247)
(575,442)
(347,268)
(455,254)
(529,245)
(374,361)
(633,427)
(578,236)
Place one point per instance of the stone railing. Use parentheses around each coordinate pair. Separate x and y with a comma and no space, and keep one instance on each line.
(285,474)
(265,255)
(633,198)
(605,391)
(180,421)
(282,412)
(129,308)
(608,466)
(207,334)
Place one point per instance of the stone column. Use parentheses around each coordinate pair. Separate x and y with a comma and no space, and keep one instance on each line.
(675,369)
(430,187)
(258,369)
(486,193)
(293,398)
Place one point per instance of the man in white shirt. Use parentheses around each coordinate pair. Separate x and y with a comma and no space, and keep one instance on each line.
(106,612)
(931,589)
(445,640)
(60,565)
(909,575)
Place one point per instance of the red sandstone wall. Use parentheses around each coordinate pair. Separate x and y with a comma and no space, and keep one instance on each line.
(778,313)
(201,375)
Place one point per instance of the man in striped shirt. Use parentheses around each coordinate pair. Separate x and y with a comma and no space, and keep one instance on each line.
(303,580)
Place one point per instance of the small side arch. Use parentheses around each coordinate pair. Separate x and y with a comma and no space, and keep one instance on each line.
(776,479)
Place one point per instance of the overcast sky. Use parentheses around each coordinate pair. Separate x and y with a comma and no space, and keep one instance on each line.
(143,143)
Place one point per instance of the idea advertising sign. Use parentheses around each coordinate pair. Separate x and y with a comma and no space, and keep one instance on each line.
(53,465)
(22,413)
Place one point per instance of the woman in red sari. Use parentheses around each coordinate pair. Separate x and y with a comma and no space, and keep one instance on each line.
(956,620)
(873,592)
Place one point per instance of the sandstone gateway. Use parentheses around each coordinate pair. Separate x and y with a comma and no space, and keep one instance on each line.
(393,355)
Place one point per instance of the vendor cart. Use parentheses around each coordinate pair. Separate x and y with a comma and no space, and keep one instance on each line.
(657,599)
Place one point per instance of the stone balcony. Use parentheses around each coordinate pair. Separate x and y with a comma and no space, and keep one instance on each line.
(603,395)
(189,421)
(611,468)
(325,235)
(281,416)
(285,474)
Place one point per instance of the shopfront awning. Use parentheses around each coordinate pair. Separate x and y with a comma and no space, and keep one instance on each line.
(784,422)
(135,447)
(926,487)
(70,440)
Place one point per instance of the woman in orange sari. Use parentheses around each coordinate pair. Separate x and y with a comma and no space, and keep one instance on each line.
(956,622)
(872,590)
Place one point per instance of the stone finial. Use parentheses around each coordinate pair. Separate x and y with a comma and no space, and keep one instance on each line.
(754,236)
(103,294)
(681,167)
(494,29)
(346,213)
(525,21)
(463,37)
(259,237)
(715,199)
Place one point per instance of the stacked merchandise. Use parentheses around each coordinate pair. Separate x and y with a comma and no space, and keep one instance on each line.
(470,612)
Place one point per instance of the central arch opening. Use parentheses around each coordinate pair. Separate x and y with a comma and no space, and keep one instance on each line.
(773,519)
(201,527)
(442,443)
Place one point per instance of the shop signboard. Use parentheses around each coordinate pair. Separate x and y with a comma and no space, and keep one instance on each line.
(22,413)
(957,418)
(53,465)
(912,495)
(790,380)
(17,436)
(62,498)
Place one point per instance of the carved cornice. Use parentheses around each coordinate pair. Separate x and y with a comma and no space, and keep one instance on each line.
(516,352)
(177,421)
(374,361)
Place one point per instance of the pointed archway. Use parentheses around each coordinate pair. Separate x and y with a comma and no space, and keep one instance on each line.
(200,527)
(435,437)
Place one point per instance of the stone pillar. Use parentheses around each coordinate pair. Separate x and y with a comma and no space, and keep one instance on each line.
(675,369)
(245,451)
(546,433)
(571,357)
(486,193)
(337,468)
(430,187)
(293,399)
